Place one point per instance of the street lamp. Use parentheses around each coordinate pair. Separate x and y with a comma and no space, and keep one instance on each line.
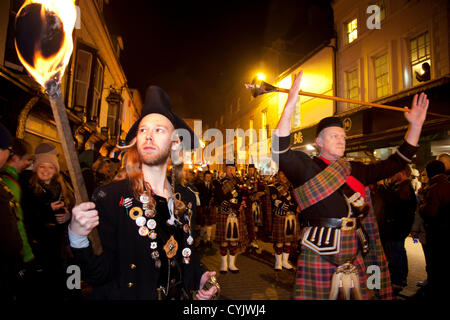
(261,76)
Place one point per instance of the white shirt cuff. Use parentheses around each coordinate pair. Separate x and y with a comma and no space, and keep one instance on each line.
(76,241)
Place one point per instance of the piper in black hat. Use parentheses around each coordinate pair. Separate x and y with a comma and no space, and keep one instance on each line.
(332,195)
(144,220)
(231,229)
(255,209)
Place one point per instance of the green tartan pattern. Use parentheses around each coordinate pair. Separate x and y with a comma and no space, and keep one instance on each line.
(323,184)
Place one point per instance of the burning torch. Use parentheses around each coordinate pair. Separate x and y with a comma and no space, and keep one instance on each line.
(44,46)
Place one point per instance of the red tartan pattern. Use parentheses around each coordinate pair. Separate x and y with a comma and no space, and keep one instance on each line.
(206,216)
(278,229)
(314,272)
(322,184)
(221,224)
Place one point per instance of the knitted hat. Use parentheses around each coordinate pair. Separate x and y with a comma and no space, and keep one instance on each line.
(46,152)
(6,139)
(46,148)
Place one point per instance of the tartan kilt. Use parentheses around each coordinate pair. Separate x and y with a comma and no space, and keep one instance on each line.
(221,224)
(278,235)
(314,272)
(206,216)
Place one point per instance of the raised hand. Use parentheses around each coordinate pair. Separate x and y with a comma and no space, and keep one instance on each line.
(293,92)
(417,114)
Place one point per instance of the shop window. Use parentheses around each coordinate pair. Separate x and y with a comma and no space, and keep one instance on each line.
(382,76)
(420,58)
(352,30)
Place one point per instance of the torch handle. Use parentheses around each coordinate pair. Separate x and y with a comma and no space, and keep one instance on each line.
(73,164)
(364,103)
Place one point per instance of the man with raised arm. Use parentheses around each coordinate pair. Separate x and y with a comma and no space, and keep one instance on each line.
(340,241)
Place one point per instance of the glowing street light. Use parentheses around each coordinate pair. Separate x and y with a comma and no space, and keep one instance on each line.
(261,76)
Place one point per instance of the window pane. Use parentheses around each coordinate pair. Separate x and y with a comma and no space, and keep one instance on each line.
(82,77)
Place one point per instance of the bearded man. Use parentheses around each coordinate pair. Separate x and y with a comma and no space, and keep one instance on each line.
(144,221)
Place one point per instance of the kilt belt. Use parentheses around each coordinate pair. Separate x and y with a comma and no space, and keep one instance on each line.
(322,234)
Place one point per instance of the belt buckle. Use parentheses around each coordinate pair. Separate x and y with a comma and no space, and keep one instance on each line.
(348,224)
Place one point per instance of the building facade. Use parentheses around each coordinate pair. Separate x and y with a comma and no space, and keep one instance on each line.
(385,52)
(407,53)
(100,106)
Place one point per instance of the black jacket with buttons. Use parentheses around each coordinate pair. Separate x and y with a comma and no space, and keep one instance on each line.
(125,269)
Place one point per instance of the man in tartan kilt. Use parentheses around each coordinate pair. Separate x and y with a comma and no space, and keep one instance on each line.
(231,229)
(254,211)
(340,239)
(284,221)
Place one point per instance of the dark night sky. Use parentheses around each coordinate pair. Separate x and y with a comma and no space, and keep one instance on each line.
(198,50)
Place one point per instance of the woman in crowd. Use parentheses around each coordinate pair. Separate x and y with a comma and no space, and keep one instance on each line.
(47,204)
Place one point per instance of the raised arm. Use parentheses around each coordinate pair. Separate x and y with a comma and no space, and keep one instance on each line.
(284,125)
(416,118)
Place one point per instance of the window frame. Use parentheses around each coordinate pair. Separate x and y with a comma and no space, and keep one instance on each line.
(387,74)
(91,112)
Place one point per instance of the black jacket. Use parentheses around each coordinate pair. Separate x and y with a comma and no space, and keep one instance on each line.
(299,168)
(125,269)
(399,206)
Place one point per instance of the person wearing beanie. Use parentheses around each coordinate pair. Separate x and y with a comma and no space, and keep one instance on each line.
(47,204)
(338,244)
(11,245)
(435,212)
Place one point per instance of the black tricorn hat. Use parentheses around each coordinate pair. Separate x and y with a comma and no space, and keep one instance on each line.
(157,101)
(329,122)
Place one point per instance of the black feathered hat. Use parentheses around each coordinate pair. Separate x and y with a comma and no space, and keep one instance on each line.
(157,101)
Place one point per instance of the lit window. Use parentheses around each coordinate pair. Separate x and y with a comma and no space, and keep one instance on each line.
(352,87)
(420,58)
(352,30)
(382,5)
(382,75)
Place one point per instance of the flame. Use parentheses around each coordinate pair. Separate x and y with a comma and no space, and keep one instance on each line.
(45,69)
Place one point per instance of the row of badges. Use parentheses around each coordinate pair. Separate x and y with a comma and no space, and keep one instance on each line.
(143,218)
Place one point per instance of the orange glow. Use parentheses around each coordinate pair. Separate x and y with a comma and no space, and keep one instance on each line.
(52,68)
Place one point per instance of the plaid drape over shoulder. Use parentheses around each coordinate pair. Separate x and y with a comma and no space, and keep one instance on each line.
(323,184)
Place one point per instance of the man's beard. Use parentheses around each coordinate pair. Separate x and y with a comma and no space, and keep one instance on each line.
(155,159)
